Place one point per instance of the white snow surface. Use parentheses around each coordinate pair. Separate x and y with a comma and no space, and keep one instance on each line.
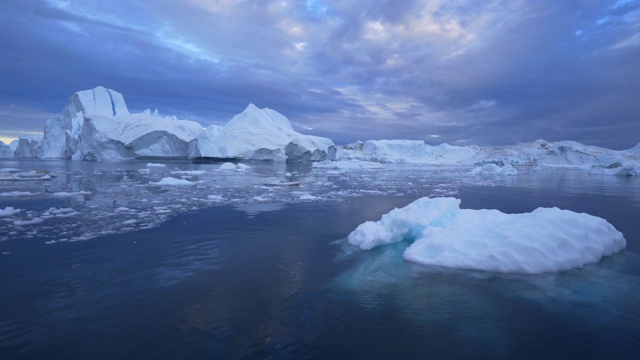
(545,240)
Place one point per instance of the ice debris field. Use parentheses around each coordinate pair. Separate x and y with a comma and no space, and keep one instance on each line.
(442,234)
(97,199)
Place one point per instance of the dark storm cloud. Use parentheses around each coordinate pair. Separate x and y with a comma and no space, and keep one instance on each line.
(490,72)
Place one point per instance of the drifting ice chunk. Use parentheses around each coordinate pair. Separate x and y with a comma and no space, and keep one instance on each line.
(232,166)
(171,181)
(545,240)
(8,211)
(493,169)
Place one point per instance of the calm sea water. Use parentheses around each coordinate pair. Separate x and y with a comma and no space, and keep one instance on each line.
(264,273)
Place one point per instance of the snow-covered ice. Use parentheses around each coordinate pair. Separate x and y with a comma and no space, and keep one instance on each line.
(545,240)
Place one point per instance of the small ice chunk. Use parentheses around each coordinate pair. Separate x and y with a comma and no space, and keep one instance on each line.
(156,165)
(235,167)
(493,169)
(8,211)
(307,197)
(64,194)
(17,194)
(171,181)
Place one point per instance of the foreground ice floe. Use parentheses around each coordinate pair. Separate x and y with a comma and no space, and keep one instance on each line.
(545,240)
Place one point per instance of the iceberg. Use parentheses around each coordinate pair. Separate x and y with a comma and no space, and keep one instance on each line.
(265,134)
(8,150)
(493,169)
(498,160)
(406,151)
(545,240)
(97,125)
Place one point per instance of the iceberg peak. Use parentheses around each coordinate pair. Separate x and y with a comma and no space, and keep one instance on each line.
(97,101)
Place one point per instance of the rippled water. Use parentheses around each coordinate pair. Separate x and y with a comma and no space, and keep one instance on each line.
(260,272)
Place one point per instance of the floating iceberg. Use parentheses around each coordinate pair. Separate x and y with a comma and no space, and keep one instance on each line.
(265,134)
(545,240)
(497,160)
(493,169)
(406,151)
(96,125)
(8,150)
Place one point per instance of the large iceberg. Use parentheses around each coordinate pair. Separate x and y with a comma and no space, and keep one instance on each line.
(97,125)
(545,240)
(265,134)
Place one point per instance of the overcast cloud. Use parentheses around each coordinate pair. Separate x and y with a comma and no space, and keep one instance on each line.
(462,72)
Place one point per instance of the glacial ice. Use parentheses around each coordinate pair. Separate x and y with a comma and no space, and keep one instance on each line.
(545,240)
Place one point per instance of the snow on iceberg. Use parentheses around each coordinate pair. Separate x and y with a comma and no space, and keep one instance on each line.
(235,167)
(265,134)
(545,240)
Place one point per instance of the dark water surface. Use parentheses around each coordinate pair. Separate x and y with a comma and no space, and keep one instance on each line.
(276,281)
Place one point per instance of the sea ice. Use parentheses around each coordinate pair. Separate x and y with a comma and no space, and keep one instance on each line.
(545,240)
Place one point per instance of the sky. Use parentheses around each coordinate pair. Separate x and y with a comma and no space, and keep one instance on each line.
(458,71)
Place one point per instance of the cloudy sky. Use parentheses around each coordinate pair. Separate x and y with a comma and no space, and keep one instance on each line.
(463,72)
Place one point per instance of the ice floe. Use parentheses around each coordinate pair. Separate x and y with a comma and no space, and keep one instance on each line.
(545,240)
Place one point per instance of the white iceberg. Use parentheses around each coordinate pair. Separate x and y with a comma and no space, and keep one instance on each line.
(96,125)
(235,167)
(26,146)
(8,211)
(406,151)
(498,159)
(545,240)
(265,134)
(171,181)
(8,150)
(493,169)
